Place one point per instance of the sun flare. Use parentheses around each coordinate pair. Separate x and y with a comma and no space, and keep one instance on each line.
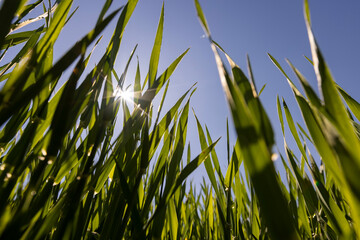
(125,94)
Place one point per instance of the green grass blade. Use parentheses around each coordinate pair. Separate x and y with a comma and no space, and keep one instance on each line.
(311,95)
(155,53)
(8,11)
(208,166)
(202,18)
(189,168)
(351,102)
(256,155)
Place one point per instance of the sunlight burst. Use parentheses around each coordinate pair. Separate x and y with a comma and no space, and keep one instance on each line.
(125,94)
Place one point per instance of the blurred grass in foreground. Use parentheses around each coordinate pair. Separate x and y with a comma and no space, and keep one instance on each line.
(326,209)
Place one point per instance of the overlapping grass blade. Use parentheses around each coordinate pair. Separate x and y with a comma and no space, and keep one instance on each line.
(255,145)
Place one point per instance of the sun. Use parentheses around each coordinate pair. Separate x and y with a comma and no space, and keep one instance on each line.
(127,95)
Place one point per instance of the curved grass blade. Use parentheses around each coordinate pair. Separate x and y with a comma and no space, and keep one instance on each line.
(256,153)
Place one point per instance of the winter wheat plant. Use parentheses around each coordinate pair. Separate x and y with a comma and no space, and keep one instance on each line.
(66,172)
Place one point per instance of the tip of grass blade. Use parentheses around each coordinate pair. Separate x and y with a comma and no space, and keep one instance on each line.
(202,18)
(310,61)
(307,12)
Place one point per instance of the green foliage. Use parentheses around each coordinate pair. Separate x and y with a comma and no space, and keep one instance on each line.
(66,172)
(328,208)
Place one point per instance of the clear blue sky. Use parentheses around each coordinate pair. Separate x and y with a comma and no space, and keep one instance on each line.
(240,27)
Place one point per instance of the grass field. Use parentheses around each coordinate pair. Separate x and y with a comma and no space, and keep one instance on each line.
(66,174)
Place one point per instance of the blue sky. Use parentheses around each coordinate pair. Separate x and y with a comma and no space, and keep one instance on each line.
(241,27)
